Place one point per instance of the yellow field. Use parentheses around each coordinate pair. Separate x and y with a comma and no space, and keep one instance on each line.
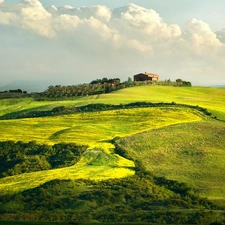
(96,130)
(93,127)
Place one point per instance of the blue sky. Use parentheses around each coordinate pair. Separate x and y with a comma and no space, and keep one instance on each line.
(74,41)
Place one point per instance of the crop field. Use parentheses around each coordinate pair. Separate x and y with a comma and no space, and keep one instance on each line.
(95,129)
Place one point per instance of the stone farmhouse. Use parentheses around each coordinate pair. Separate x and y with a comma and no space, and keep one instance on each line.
(146,77)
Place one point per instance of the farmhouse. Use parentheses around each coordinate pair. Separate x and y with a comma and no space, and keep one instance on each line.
(146,76)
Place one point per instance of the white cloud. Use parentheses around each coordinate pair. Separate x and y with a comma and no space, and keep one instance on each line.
(28,15)
(131,34)
(7,18)
(145,22)
(200,37)
(98,28)
(68,7)
(64,23)
(1,1)
(101,12)
(54,8)
(35,18)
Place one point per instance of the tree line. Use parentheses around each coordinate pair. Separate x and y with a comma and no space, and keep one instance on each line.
(62,110)
(99,86)
(14,91)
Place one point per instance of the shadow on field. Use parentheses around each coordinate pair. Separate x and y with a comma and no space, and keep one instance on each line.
(27,113)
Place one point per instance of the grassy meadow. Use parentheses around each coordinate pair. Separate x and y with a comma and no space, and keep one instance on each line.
(178,143)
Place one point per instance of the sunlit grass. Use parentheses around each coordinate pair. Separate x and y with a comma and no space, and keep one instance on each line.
(210,98)
(95,129)
(25,181)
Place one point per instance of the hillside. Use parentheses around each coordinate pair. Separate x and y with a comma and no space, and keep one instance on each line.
(211,98)
(161,146)
(192,153)
(95,129)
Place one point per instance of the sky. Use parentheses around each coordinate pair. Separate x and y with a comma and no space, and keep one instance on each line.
(72,41)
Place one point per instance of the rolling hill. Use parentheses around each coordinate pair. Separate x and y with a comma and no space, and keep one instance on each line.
(179,143)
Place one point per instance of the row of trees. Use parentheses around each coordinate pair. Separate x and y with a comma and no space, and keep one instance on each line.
(178,83)
(100,86)
(62,110)
(14,91)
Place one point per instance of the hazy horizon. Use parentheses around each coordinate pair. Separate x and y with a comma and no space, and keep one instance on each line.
(67,42)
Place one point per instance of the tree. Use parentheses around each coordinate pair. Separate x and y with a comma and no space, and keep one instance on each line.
(179,81)
(129,80)
(58,109)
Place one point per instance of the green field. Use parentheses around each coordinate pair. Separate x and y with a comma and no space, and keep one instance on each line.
(192,153)
(211,98)
(96,129)
(175,142)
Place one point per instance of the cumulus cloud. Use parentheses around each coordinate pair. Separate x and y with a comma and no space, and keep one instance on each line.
(200,37)
(134,32)
(146,21)
(130,24)
(28,15)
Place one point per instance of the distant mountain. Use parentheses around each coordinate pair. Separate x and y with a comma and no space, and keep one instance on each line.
(220,86)
(25,85)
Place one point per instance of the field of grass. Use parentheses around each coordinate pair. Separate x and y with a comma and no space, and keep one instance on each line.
(211,98)
(96,129)
(192,153)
